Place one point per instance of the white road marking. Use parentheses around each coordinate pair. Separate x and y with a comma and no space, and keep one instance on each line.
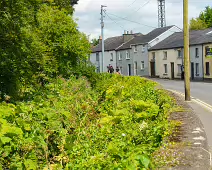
(198,101)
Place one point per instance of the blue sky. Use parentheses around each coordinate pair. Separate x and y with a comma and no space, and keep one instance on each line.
(87,13)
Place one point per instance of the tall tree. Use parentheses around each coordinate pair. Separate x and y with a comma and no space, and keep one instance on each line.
(203,21)
(38,40)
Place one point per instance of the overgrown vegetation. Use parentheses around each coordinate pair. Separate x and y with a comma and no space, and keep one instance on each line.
(117,124)
(39,40)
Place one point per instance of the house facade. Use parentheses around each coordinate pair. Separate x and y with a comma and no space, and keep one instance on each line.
(168,56)
(137,49)
(110,54)
(169,62)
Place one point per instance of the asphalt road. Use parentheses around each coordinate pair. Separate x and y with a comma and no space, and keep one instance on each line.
(199,90)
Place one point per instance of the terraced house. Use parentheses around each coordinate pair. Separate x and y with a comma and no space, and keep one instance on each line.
(168,56)
(132,56)
(111,44)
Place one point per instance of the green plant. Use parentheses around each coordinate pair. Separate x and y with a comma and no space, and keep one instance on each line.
(70,125)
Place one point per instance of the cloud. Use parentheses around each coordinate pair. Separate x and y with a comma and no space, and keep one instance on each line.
(141,11)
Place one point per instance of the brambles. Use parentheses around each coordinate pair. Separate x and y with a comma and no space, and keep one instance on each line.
(117,124)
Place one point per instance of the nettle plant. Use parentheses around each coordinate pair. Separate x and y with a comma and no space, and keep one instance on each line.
(117,124)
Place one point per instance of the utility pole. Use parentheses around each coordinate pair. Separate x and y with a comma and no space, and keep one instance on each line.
(186,51)
(102,32)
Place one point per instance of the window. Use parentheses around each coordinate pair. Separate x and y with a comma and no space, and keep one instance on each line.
(165,55)
(119,56)
(197,52)
(165,69)
(143,48)
(207,66)
(179,68)
(179,53)
(127,55)
(142,65)
(97,70)
(111,57)
(135,68)
(97,56)
(197,69)
(135,49)
(153,55)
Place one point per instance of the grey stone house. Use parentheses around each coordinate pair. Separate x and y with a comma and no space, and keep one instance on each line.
(111,44)
(132,56)
(168,55)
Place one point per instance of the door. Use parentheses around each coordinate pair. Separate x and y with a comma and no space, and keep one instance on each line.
(152,67)
(172,70)
(192,71)
(129,69)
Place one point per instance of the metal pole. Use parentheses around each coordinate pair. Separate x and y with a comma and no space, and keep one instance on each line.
(102,32)
(186,51)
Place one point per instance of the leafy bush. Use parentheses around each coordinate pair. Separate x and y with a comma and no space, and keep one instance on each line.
(118,124)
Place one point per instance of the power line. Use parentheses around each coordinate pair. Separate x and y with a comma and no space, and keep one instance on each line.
(131,21)
(114,21)
(138,8)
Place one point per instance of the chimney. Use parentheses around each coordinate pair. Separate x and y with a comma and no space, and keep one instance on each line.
(100,39)
(131,32)
(128,36)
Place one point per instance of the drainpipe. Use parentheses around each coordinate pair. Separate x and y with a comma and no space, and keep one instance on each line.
(203,77)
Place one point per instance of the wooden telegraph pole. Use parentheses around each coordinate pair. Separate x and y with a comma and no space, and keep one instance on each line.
(186,51)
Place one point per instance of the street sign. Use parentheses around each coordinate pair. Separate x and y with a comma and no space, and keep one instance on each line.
(208,52)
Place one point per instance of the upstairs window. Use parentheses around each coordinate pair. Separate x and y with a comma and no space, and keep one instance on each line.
(127,55)
(196,52)
(143,48)
(135,49)
(111,57)
(153,55)
(179,53)
(165,55)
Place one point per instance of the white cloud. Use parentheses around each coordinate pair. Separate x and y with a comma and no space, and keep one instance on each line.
(88,13)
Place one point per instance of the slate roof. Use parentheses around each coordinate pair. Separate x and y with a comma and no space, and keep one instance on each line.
(110,44)
(176,40)
(145,38)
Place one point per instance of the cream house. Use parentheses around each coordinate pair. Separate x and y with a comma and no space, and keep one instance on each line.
(166,58)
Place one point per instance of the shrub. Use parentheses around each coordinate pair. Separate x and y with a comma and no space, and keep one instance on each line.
(118,124)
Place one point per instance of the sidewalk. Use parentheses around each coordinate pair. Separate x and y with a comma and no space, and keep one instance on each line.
(206,118)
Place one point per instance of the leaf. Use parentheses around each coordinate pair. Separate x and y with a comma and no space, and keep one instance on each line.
(144,160)
(30,164)
(5,140)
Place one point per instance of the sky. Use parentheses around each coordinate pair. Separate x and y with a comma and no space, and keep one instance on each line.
(144,12)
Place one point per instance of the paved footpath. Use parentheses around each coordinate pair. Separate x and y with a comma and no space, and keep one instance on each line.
(201,93)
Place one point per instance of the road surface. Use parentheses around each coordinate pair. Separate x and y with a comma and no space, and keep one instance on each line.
(199,90)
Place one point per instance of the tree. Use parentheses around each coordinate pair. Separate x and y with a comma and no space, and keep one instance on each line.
(197,24)
(203,21)
(95,42)
(39,40)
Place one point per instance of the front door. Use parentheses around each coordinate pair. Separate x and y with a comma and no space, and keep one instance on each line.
(152,67)
(129,69)
(192,71)
(172,70)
